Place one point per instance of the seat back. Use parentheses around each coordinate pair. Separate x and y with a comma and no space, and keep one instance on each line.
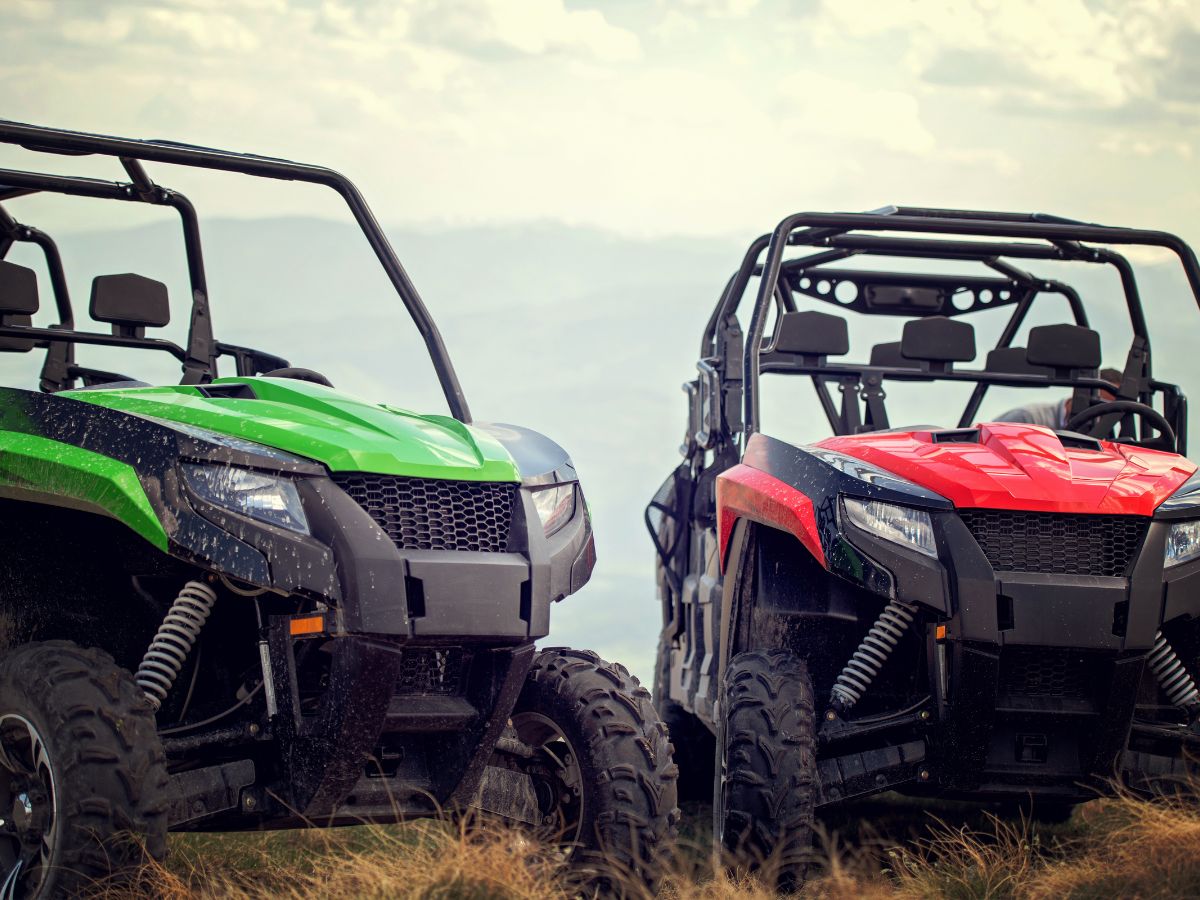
(1070,350)
(888,356)
(811,335)
(18,303)
(937,342)
(130,303)
(1013,361)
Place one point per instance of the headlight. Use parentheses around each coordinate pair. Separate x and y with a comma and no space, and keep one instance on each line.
(898,524)
(1183,542)
(266,498)
(555,506)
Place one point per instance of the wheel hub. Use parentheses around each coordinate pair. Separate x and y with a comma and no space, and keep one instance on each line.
(29,813)
(27,808)
(556,776)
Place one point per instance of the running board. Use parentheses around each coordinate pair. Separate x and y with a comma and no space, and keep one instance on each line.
(199,793)
(869,772)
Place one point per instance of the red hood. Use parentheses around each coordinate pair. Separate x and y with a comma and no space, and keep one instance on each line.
(1015,466)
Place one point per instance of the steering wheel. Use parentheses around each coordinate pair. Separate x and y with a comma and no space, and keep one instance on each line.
(1126,407)
(300,375)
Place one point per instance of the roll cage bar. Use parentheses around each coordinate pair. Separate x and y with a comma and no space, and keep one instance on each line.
(202,350)
(726,396)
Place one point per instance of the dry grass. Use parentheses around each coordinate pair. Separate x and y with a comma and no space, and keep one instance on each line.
(1123,847)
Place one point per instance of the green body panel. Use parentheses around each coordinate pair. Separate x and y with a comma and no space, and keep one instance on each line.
(343,433)
(36,466)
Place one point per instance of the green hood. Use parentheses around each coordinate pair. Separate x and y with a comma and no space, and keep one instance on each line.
(323,424)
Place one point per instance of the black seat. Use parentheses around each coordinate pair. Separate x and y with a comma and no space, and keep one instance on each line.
(888,356)
(811,333)
(937,342)
(130,303)
(1070,350)
(1013,361)
(18,303)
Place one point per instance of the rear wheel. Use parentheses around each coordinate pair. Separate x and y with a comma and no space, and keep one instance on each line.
(83,781)
(601,769)
(765,791)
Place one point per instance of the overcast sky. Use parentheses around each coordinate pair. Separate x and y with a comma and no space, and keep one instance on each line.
(648,118)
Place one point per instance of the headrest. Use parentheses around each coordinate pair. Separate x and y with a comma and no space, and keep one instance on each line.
(1064,347)
(811,333)
(938,339)
(130,302)
(1013,361)
(16,345)
(18,290)
(888,356)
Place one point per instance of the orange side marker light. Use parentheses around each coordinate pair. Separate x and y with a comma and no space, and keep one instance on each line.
(939,632)
(307,626)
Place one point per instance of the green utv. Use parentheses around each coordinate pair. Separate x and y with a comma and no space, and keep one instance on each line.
(255,602)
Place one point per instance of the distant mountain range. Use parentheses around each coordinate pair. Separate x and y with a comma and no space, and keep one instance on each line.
(577,333)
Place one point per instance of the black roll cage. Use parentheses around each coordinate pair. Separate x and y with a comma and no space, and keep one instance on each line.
(200,355)
(727,393)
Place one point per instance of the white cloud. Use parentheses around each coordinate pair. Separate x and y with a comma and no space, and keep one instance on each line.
(202,30)
(531,27)
(495,110)
(1146,145)
(1058,54)
(112,28)
(717,9)
(821,104)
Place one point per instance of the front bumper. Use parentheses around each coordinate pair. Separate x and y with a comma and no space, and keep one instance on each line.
(383,610)
(1035,680)
(372,587)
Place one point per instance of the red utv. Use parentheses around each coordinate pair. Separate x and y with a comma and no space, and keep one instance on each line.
(1000,611)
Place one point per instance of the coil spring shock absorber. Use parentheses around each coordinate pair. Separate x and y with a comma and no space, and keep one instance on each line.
(173,644)
(1174,679)
(871,654)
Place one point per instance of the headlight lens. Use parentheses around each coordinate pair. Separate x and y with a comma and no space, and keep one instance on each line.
(1183,542)
(555,506)
(266,498)
(898,524)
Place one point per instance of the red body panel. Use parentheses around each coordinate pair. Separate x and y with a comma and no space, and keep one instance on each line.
(746,493)
(1026,467)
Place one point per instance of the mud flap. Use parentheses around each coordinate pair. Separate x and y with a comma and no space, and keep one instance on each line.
(508,794)
(324,755)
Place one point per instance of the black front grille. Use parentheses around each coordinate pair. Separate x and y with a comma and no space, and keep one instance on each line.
(1046,672)
(1057,544)
(428,514)
(430,670)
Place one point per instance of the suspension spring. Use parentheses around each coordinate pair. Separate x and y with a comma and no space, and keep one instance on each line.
(871,654)
(1174,679)
(173,644)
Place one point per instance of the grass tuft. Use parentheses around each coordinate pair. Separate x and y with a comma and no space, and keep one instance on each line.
(1114,848)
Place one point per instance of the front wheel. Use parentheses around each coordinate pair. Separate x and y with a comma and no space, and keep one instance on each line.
(602,771)
(765,789)
(83,781)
